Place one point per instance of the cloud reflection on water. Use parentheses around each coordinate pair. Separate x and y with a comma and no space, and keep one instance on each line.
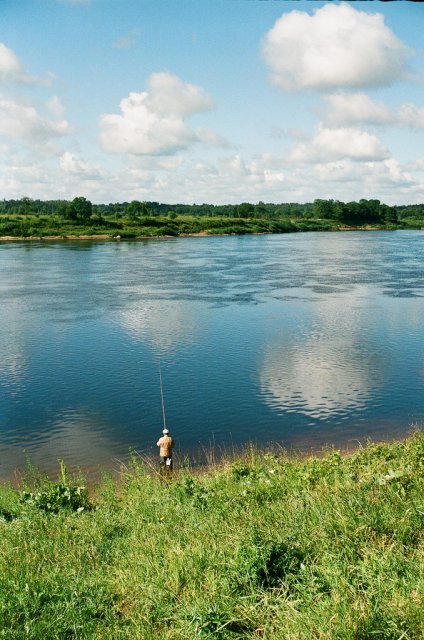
(73,435)
(13,329)
(167,324)
(329,366)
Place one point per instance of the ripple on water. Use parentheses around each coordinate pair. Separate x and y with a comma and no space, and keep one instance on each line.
(308,336)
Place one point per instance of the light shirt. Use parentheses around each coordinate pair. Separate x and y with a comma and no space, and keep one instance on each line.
(165,443)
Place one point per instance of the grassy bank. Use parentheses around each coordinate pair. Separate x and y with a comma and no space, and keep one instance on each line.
(265,546)
(39,226)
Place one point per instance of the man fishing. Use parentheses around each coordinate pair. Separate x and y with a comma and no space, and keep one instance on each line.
(166,444)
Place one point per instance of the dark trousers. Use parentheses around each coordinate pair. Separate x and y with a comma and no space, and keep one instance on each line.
(167,462)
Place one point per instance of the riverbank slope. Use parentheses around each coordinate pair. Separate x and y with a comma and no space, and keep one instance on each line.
(264,546)
(30,227)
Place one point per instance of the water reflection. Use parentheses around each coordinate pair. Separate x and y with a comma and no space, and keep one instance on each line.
(327,367)
(77,436)
(166,324)
(13,330)
(259,337)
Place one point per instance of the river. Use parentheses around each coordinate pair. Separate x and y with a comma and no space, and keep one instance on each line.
(301,339)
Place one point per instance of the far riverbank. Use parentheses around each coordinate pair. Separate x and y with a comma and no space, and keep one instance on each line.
(53,228)
(131,236)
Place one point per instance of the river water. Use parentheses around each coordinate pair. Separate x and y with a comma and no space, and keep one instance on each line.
(301,339)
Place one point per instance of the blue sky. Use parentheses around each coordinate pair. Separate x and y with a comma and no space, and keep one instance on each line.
(217,101)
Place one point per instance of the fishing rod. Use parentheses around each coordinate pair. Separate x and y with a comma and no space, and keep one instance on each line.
(169,442)
(161,395)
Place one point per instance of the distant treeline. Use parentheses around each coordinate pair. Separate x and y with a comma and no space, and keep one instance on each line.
(350,213)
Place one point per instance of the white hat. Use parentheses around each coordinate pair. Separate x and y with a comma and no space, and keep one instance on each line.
(165,431)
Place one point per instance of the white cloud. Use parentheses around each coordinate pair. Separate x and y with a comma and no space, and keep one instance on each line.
(337,47)
(168,94)
(152,122)
(338,171)
(11,69)
(334,144)
(359,109)
(72,165)
(416,165)
(9,63)
(231,179)
(372,176)
(19,120)
(355,109)
(411,115)
(155,163)
(56,107)
(392,171)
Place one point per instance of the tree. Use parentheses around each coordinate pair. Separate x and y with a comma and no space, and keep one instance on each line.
(369,210)
(340,211)
(136,209)
(245,210)
(80,209)
(260,210)
(389,214)
(25,206)
(64,210)
(323,209)
(352,214)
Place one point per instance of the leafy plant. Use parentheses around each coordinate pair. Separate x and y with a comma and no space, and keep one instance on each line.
(58,495)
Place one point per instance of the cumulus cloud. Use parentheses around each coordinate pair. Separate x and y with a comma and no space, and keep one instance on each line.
(359,109)
(9,62)
(153,122)
(347,109)
(229,179)
(411,115)
(19,120)
(334,144)
(416,165)
(72,165)
(11,69)
(372,176)
(336,47)
(393,173)
(56,107)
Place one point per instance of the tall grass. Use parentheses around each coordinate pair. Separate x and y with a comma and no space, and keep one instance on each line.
(261,546)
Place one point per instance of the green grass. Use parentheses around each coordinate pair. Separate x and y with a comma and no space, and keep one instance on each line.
(30,225)
(261,546)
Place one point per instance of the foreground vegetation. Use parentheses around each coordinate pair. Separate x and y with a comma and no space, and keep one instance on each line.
(27,218)
(263,546)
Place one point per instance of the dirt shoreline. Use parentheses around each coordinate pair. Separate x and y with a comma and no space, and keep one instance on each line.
(105,236)
(200,234)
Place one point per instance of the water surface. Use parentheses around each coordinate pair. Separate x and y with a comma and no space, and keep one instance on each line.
(305,339)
